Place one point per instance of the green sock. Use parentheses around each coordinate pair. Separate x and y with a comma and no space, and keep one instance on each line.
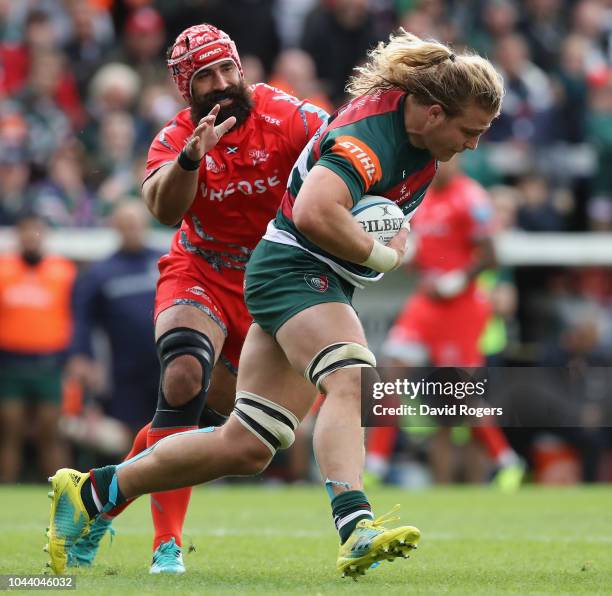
(348,508)
(104,482)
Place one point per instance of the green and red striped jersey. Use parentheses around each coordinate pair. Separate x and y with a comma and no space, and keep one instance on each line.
(366,144)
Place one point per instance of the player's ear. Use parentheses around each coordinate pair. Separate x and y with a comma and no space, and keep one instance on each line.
(435,113)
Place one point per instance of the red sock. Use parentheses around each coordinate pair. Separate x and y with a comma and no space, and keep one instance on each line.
(139,445)
(493,440)
(140,442)
(168,508)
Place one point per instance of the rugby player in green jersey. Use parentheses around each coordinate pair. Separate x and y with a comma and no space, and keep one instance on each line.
(415,103)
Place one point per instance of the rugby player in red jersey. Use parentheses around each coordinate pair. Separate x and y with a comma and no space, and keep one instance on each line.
(219,168)
(442,322)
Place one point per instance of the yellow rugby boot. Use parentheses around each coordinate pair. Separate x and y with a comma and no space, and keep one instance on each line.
(69,519)
(370,542)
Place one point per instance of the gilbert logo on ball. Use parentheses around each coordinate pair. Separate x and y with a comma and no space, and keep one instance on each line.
(380,217)
(320,283)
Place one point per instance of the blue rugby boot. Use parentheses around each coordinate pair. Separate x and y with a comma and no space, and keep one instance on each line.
(167,558)
(85,549)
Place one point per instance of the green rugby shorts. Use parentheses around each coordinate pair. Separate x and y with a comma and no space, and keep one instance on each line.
(282,280)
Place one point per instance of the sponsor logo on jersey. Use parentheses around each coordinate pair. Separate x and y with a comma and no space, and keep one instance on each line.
(258,155)
(245,187)
(317,282)
(270,119)
(361,157)
(213,166)
(197,290)
(231,150)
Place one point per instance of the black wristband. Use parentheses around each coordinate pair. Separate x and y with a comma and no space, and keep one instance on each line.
(187,163)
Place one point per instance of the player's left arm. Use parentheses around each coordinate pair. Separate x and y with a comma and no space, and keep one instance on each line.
(479,220)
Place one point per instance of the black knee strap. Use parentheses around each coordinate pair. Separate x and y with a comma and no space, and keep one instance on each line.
(183,341)
(211,417)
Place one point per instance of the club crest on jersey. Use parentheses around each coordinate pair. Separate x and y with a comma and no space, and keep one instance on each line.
(317,282)
(213,166)
(258,155)
(361,157)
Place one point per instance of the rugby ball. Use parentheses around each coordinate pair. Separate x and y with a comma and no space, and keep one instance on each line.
(380,217)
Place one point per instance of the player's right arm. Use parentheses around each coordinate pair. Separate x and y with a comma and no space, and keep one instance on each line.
(170,191)
(324,217)
(348,166)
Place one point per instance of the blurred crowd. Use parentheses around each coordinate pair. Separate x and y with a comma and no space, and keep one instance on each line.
(84,88)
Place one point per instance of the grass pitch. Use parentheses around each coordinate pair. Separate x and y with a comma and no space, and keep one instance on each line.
(261,540)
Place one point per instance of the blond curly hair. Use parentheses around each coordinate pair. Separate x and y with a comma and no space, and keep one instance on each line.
(431,72)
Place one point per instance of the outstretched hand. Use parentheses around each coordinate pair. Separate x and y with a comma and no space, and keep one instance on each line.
(207,134)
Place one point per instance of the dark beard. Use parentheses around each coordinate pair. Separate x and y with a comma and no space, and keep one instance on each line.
(240,108)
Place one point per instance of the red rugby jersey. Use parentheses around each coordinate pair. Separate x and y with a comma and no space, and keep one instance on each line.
(243,178)
(448,225)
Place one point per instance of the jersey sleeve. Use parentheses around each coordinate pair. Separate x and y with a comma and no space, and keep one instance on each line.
(478,213)
(354,152)
(306,120)
(166,147)
(301,118)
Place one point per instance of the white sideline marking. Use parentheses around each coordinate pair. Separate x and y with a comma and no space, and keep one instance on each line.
(270,532)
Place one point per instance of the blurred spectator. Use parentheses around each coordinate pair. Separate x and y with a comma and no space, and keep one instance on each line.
(253,69)
(62,196)
(542,24)
(90,42)
(439,14)
(600,134)
(35,329)
(250,23)
(337,36)
(15,192)
(113,170)
(579,346)
(9,28)
(527,111)
(589,20)
(290,15)
(499,18)
(157,105)
(295,73)
(48,123)
(541,209)
(38,35)
(418,22)
(571,79)
(115,86)
(143,41)
(26,64)
(116,296)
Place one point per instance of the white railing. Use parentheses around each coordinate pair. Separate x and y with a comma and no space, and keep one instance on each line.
(513,248)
